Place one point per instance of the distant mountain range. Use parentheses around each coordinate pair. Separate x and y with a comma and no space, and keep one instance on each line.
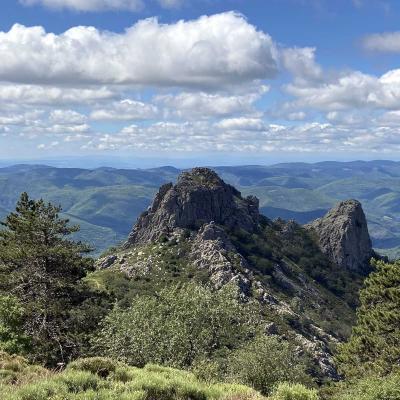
(107,201)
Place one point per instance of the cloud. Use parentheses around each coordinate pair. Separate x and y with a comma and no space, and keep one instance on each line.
(21,118)
(204,105)
(36,123)
(170,3)
(246,124)
(296,116)
(100,5)
(67,117)
(61,129)
(47,95)
(300,62)
(351,90)
(388,42)
(48,146)
(245,136)
(88,5)
(125,110)
(215,51)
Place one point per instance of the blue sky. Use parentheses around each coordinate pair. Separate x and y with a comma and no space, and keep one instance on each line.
(210,81)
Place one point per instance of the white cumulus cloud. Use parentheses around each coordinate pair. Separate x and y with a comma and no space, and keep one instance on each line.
(203,105)
(300,62)
(388,42)
(213,51)
(47,95)
(67,117)
(126,110)
(352,90)
(242,123)
(100,5)
(88,5)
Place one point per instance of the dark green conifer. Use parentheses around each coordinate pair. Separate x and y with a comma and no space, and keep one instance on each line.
(375,341)
(42,269)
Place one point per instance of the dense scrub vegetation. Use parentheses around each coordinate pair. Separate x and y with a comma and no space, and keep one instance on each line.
(104,379)
(50,312)
(224,343)
(290,245)
(54,310)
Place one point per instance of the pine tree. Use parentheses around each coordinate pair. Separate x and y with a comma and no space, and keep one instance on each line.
(375,341)
(42,268)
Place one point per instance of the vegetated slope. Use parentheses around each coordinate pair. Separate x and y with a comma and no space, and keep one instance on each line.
(98,200)
(105,379)
(203,229)
(111,199)
(305,191)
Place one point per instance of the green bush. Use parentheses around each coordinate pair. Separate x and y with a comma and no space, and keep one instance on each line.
(96,365)
(370,388)
(15,370)
(266,361)
(287,391)
(152,382)
(12,339)
(78,381)
(173,328)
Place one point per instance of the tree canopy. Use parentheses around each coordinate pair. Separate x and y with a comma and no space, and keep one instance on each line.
(375,341)
(41,269)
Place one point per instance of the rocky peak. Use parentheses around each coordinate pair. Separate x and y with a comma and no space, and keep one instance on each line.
(200,196)
(343,236)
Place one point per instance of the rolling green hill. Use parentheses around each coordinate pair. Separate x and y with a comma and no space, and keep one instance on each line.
(107,201)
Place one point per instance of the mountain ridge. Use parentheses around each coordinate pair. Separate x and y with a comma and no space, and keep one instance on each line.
(110,198)
(202,229)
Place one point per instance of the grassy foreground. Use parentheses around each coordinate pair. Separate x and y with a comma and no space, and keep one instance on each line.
(104,379)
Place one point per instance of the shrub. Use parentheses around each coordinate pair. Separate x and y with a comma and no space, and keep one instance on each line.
(78,381)
(12,340)
(173,329)
(287,391)
(15,370)
(370,388)
(96,365)
(148,383)
(265,362)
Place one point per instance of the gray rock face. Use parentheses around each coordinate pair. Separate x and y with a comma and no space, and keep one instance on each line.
(344,238)
(200,196)
(107,262)
(212,250)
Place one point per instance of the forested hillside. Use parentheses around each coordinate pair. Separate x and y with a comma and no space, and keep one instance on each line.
(106,201)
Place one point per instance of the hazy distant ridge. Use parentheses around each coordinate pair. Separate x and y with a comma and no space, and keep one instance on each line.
(107,201)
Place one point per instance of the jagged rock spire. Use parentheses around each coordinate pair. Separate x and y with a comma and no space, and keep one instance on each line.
(343,236)
(200,196)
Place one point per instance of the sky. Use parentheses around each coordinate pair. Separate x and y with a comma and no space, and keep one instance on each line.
(200,81)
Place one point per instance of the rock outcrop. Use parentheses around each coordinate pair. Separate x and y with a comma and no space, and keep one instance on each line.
(200,196)
(202,228)
(343,236)
(213,251)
